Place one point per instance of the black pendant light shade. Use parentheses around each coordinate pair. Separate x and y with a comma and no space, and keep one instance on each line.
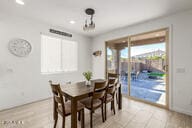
(91,25)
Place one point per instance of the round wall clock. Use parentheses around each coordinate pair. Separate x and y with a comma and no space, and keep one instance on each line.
(19,47)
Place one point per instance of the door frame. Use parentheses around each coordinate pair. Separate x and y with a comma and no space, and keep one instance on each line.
(167,41)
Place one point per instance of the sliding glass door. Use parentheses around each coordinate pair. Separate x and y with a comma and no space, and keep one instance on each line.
(149,67)
(117,61)
(148,73)
(141,61)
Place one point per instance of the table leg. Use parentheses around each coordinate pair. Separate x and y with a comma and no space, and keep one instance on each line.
(73,113)
(119,98)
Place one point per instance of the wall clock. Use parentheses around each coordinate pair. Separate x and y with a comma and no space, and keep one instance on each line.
(19,47)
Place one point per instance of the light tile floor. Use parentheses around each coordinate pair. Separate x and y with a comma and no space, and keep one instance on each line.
(133,115)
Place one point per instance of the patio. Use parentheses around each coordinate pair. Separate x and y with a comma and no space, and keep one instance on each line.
(143,87)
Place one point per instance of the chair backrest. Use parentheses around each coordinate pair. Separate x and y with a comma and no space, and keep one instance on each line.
(112,84)
(111,80)
(57,96)
(99,90)
(112,76)
(54,91)
(115,77)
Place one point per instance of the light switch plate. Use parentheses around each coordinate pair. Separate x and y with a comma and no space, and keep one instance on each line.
(180,70)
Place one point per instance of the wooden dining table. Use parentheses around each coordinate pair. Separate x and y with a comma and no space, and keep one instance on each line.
(80,90)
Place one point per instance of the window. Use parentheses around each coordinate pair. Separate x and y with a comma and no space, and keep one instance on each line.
(58,55)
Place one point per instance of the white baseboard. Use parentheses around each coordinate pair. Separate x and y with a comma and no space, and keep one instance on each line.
(26,103)
(180,110)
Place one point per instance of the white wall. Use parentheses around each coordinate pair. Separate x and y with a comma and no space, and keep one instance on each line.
(20,78)
(21,81)
(180,55)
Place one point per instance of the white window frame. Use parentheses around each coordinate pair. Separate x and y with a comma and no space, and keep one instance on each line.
(61,57)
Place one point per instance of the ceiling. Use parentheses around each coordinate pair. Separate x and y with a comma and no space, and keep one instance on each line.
(110,14)
(149,35)
(139,39)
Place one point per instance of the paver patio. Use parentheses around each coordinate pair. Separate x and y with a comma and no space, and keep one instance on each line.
(152,90)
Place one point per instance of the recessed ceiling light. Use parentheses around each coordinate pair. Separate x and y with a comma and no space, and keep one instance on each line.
(21,2)
(72,22)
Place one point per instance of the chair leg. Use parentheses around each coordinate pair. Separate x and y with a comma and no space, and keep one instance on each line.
(113,106)
(117,98)
(91,120)
(105,111)
(55,120)
(79,115)
(63,122)
(103,119)
(82,118)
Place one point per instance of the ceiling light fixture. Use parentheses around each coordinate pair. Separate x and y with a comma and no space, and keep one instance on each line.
(91,24)
(21,2)
(72,22)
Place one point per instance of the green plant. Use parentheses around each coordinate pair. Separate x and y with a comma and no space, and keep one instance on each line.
(87,75)
(157,74)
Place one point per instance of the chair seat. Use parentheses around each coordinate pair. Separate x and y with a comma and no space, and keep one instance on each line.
(80,106)
(109,98)
(87,102)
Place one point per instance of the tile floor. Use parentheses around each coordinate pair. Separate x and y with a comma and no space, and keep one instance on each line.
(133,115)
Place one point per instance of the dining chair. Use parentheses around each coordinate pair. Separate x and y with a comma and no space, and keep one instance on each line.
(96,100)
(63,108)
(114,76)
(110,95)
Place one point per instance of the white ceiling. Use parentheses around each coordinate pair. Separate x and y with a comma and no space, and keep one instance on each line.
(110,14)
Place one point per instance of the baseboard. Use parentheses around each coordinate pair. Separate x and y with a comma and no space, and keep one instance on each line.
(25,104)
(180,110)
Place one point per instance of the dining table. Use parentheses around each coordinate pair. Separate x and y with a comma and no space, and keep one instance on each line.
(78,91)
